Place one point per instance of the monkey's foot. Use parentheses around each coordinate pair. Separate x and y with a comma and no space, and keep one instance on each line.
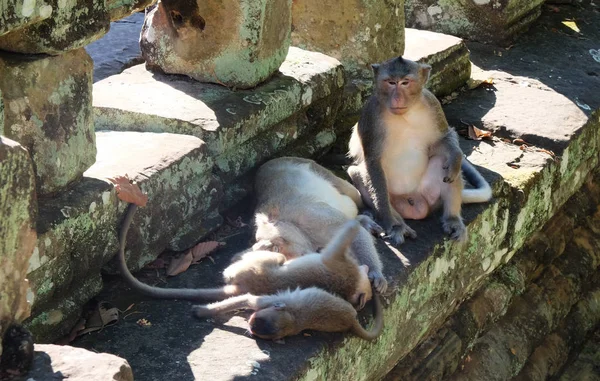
(397,233)
(455,227)
(368,223)
(201,311)
(379,281)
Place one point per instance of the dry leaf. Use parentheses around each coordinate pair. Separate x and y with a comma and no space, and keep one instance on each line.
(572,25)
(143,323)
(73,334)
(158,263)
(519,141)
(202,249)
(546,152)
(513,165)
(489,81)
(478,134)
(129,192)
(513,351)
(307,334)
(180,264)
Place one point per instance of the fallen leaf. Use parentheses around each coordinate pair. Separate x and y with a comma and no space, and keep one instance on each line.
(143,323)
(180,264)
(489,81)
(202,249)
(519,141)
(546,152)
(572,25)
(307,334)
(129,192)
(73,334)
(513,351)
(478,134)
(513,165)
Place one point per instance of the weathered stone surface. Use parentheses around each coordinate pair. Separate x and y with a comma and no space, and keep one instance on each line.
(235,43)
(447,55)
(428,277)
(54,362)
(18,209)
(356,32)
(17,14)
(118,49)
(220,117)
(48,111)
(479,20)
(68,25)
(585,366)
(119,9)
(77,231)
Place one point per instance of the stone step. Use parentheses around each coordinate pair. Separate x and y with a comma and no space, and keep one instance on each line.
(429,277)
(56,362)
(77,232)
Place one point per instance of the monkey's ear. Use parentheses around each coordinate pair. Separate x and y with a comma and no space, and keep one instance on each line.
(375,68)
(279,306)
(424,71)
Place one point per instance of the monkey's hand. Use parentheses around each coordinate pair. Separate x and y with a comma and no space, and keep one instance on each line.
(201,311)
(398,231)
(451,168)
(369,224)
(378,280)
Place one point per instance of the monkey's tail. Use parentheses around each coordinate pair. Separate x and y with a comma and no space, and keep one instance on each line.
(164,293)
(374,333)
(246,301)
(481,192)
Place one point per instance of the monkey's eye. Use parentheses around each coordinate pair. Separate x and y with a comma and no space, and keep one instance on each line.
(406,82)
(393,83)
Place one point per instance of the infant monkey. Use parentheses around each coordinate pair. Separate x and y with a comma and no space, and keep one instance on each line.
(288,313)
(302,204)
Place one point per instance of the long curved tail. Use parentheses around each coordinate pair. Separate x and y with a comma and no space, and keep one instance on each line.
(246,301)
(374,333)
(164,293)
(481,192)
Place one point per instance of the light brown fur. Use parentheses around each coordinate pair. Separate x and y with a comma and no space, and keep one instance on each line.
(302,204)
(288,313)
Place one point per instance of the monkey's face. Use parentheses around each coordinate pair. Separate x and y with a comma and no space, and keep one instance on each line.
(364,292)
(272,323)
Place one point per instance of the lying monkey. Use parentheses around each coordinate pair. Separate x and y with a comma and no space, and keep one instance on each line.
(302,204)
(407,160)
(264,272)
(288,313)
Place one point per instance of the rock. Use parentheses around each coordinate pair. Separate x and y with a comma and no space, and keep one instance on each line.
(69,25)
(119,9)
(18,209)
(16,349)
(237,43)
(486,21)
(17,14)
(48,110)
(447,55)
(53,362)
(176,173)
(118,48)
(356,32)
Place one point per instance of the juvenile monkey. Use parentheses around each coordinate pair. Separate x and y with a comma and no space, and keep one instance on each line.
(264,272)
(288,313)
(302,204)
(407,160)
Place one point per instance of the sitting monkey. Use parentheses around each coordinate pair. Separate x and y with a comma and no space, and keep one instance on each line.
(407,160)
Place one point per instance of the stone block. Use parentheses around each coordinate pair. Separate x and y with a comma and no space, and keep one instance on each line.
(223,119)
(77,230)
(447,55)
(18,208)
(69,25)
(356,32)
(52,362)
(17,14)
(237,43)
(488,21)
(48,109)
(119,9)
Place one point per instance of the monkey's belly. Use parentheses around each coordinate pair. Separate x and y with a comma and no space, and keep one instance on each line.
(320,190)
